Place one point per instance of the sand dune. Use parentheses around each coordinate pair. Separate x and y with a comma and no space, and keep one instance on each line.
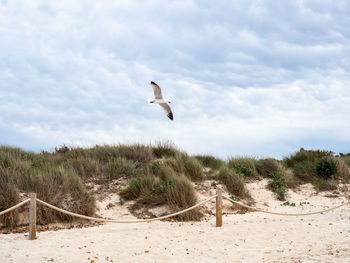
(250,237)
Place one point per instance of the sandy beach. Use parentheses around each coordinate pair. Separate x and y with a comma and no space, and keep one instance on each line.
(249,237)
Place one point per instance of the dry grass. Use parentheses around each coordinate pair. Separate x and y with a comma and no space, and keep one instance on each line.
(164,187)
(180,194)
(9,196)
(46,175)
(165,149)
(182,163)
(343,170)
(210,161)
(233,181)
(267,167)
(157,174)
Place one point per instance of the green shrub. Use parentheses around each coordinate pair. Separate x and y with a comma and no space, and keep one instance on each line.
(278,185)
(306,155)
(326,167)
(233,181)
(244,165)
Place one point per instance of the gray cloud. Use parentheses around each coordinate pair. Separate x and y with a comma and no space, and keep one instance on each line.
(258,77)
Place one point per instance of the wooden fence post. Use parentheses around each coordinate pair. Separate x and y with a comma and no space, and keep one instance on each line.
(32,216)
(218,208)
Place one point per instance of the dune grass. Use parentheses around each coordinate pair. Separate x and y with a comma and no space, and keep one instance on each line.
(310,165)
(165,149)
(9,196)
(324,185)
(189,166)
(346,159)
(234,181)
(210,161)
(244,165)
(165,187)
(156,174)
(306,155)
(268,167)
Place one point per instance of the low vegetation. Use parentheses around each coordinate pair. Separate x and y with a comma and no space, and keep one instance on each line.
(278,185)
(159,174)
(268,167)
(244,165)
(234,181)
(209,161)
(311,166)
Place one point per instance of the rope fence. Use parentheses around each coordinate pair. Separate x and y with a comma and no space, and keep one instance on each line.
(124,221)
(283,214)
(14,207)
(219,197)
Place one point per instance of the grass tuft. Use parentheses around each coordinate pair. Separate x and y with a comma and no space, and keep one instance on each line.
(9,196)
(186,165)
(233,181)
(267,167)
(165,149)
(244,165)
(121,167)
(166,187)
(210,161)
(324,185)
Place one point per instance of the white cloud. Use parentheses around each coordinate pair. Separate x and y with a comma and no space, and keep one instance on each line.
(258,77)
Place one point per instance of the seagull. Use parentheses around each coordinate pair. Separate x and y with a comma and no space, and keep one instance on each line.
(158,98)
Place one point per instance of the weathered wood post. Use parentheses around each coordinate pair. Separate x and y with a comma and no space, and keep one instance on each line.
(32,216)
(218,208)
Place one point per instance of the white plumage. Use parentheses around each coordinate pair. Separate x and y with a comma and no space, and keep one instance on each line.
(158,98)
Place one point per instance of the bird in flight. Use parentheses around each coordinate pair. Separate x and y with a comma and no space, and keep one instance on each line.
(158,98)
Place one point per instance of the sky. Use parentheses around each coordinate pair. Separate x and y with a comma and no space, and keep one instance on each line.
(245,78)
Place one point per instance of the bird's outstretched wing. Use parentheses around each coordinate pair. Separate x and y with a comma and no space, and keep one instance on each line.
(156,90)
(167,110)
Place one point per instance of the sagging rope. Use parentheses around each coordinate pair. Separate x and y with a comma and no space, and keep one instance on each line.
(14,207)
(166,216)
(283,214)
(124,221)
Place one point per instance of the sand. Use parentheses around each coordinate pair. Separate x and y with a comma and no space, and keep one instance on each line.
(250,237)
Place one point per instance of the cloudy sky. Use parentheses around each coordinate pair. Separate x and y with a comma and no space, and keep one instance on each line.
(257,78)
